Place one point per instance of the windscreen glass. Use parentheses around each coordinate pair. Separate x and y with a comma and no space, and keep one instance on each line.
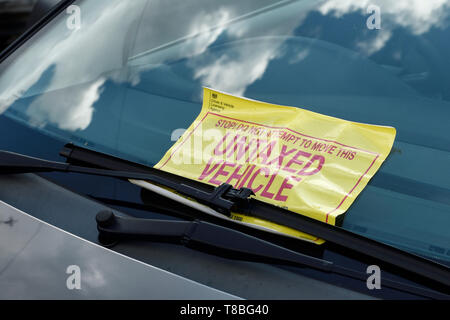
(126,78)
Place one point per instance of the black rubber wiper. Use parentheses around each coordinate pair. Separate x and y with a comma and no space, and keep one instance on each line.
(225,242)
(201,235)
(225,198)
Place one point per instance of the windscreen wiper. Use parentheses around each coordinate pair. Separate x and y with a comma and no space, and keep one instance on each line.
(225,198)
(225,242)
(203,236)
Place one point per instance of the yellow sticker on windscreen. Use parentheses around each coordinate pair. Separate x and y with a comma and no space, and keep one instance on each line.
(306,162)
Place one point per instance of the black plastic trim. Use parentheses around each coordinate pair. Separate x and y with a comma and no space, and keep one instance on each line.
(56,10)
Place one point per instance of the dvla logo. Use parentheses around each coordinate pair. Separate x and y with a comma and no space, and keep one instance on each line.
(74,280)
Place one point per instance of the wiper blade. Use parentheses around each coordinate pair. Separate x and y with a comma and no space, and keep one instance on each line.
(219,198)
(222,199)
(201,235)
(225,242)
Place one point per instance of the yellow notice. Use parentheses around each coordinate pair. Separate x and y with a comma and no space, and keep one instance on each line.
(300,160)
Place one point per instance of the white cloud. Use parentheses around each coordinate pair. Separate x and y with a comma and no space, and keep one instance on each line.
(69,112)
(73,58)
(246,61)
(234,74)
(205,29)
(416,15)
(376,44)
(300,55)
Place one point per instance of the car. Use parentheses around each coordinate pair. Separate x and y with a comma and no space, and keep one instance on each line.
(108,86)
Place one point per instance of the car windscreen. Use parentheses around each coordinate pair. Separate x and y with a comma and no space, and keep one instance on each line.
(126,78)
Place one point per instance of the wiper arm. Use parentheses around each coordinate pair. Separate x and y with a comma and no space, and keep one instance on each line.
(222,199)
(201,235)
(226,198)
(226,242)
